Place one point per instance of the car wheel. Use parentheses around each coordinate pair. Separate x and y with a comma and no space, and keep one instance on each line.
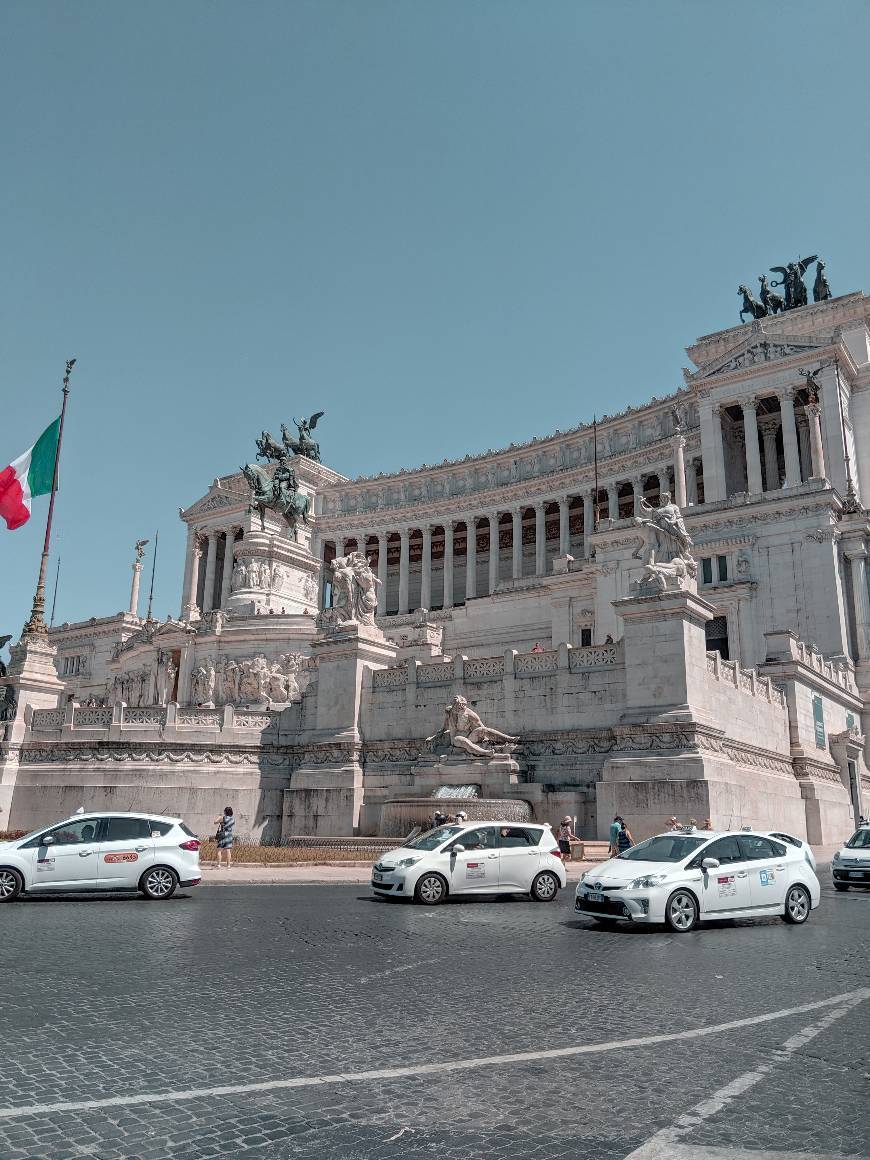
(11,885)
(681,912)
(840,886)
(430,890)
(545,887)
(158,883)
(797,905)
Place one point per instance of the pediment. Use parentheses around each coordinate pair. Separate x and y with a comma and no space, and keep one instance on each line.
(214,501)
(757,349)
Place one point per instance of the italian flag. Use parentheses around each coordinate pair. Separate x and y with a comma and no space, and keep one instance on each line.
(30,474)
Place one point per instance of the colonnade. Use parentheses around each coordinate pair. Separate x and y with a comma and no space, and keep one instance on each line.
(801,440)
(475,542)
(208,570)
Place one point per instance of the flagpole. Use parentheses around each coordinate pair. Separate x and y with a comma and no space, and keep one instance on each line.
(36,624)
(153,569)
(54,598)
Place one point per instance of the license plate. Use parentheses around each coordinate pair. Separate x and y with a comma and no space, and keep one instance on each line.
(596,897)
(856,874)
(377,876)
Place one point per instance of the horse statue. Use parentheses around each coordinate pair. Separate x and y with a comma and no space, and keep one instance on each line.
(821,286)
(750,305)
(277,493)
(268,448)
(304,445)
(773,303)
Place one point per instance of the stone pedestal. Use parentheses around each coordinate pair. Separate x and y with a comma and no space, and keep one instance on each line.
(272,572)
(33,678)
(326,789)
(665,655)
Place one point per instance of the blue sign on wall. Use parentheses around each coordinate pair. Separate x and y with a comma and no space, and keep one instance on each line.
(819,721)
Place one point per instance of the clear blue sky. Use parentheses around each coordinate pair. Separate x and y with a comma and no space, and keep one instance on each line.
(451,224)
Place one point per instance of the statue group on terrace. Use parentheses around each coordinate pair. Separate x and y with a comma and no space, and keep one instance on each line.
(794,289)
(666,547)
(463,730)
(279,490)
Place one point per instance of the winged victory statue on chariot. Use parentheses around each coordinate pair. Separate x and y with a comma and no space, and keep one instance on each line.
(791,278)
(278,490)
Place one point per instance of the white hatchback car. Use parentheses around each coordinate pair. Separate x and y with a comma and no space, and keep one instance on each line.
(686,876)
(102,851)
(473,858)
(850,866)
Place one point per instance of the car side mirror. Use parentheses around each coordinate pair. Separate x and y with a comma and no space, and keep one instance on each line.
(710,863)
(48,840)
(457,849)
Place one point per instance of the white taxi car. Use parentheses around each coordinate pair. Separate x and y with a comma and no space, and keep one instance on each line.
(850,866)
(473,858)
(102,851)
(688,876)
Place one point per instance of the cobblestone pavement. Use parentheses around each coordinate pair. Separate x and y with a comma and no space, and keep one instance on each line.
(123,1000)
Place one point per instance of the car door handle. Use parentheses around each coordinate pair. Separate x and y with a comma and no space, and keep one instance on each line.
(139,849)
(492,855)
(85,853)
(780,868)
(742,874)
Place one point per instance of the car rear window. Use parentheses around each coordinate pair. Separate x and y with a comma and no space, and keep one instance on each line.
(788,838)
(512,836)
(126,829)
(163,828)
(755,848)
(186,830)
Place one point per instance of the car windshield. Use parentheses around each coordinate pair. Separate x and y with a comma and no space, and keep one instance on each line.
(664,848)
(860,840)
(434,838)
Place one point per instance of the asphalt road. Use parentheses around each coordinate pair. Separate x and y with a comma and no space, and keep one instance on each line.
(344,1027)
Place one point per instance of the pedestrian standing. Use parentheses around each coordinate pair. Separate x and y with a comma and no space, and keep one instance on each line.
(673,824)
(226,825)
(708,825)
(566,837)
(614,835)
(624,839)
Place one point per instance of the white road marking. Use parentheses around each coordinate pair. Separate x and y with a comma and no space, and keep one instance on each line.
(701,1152)
(665,1145)
(414,1069)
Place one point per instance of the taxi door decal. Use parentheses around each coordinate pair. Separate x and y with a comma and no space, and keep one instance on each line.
(121,856)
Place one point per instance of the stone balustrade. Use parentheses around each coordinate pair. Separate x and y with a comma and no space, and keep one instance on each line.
(745,680)
(121,719)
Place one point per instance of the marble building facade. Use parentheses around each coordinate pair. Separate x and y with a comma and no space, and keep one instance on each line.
(479,562)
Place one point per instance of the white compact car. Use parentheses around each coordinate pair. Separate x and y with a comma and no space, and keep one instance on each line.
(473,858)
(686,876)
(102,851)
(850,866)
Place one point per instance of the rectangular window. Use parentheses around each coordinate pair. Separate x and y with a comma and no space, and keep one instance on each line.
(819,722)
(585,637)
(722,561)
(707,571)
(850,721)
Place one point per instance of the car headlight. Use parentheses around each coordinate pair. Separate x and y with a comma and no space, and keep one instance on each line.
(407,862)
(582,877)
(646,881)
(836,858)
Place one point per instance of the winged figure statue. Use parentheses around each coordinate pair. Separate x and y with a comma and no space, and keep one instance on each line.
(303,445)
(792,281)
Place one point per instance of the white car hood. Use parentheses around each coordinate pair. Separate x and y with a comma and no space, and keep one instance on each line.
(391,857)
(857,854)
(618,871)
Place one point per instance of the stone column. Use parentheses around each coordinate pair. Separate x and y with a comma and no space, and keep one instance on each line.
(470,558)
(227,578)
(447,599)
(803,429)
(540,540)
(517,516)
(769,428)
(564,526)
(134,588)
(637,489)
(664,479)
(383,565)
(211,561)
(588,522)
(691,482)
(613,501)
(191,609)
(711,437)
(719,452)
(426,569)
(753,459)
(493,551)
(860,601)
(404,569)
(814,412)
(678,444)
(789,439)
